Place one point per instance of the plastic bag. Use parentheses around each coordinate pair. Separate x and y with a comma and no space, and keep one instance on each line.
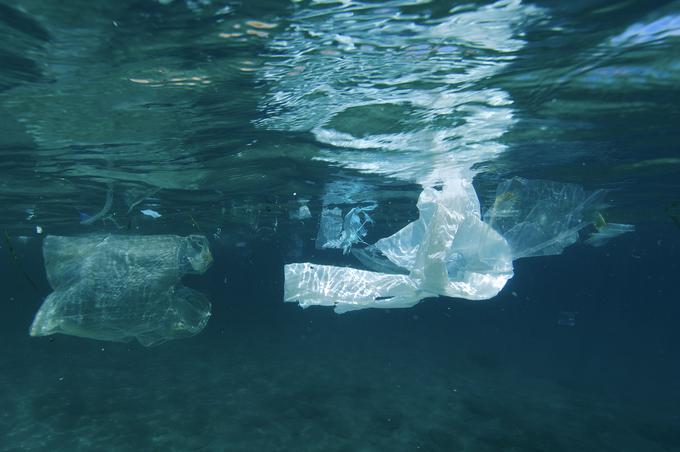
(120,288)
(447,251)
(540,218)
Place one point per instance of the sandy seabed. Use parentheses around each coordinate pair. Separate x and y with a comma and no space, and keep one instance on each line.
(295,395)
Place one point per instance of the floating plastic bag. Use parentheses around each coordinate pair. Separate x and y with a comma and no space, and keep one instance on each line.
(120,288)
(447,251)
(540,218)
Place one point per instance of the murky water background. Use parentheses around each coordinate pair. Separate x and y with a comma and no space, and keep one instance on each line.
(226,118)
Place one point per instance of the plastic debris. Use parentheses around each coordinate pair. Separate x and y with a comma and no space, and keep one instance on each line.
(373,259)
(88,220)
(540,218)
(302,213)
(352,231)
(607,231)
(330,227)
(123,287)
(151,213)
(447,251)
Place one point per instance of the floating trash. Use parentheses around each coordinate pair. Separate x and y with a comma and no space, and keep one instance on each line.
(151,213)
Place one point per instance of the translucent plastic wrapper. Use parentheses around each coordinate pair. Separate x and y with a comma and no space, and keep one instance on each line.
(330,227)
(348,288)
(447,251)
(540,218)
(302,212)
(120,288)
(343,231)
(338,233)
(608,231)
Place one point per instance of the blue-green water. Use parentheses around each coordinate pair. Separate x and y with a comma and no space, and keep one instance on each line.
(228,119)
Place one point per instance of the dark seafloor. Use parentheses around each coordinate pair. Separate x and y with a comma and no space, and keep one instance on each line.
(226,117)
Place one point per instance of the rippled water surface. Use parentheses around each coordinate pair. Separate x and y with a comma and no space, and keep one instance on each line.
(245,121)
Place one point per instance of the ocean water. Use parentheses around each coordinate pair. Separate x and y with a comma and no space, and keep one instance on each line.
(244,121)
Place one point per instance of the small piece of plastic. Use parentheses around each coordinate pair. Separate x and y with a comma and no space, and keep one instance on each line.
(330,227)
(608,231)
(351,231)
(302,212)
(120,287)
(151,213)
(448,251)
(88,220)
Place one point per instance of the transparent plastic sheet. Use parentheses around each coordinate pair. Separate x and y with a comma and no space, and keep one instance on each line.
(373,259)
(120,288)
(330,227)
(447,251)
(540,218)
(338,231)
(348,288)
(302,212)
(607,232)
(450,251)
(352,230)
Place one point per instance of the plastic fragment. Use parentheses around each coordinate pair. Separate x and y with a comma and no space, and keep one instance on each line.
(353,229)
(607,232)
(88,220)
(151,213)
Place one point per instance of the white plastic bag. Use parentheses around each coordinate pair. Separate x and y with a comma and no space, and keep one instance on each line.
(448,251)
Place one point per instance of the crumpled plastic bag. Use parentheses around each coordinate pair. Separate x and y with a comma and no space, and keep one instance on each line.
(448,251)
(123,287)
(541,218)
